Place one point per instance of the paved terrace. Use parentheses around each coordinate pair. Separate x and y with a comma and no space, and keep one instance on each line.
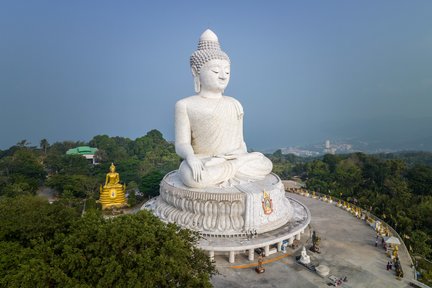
(347,248)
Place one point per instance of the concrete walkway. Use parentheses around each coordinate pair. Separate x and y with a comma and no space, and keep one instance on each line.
(347,248)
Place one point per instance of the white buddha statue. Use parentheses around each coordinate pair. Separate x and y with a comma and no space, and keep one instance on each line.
(209,126)
(305,259)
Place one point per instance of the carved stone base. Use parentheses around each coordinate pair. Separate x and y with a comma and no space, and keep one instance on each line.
(244,209)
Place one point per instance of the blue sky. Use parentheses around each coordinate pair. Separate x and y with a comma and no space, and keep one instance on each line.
(304,71)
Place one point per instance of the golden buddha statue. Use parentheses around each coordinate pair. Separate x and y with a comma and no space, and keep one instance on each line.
(395,252)
(112,194)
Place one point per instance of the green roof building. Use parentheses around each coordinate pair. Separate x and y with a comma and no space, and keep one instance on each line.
(86,151)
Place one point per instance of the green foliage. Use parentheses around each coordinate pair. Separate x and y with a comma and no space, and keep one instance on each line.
(67,164)
(49,245)
(420,179)
(63,249)
(150,183)
(425,268)
(21,172)
(411,158)
(28,219)
(79,186)
(132,199)
(421,242)
(130,170)
(44,145)
(287,165)
(112,149)
(23,162)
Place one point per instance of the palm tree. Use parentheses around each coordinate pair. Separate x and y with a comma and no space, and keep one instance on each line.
(44,145)
(23,143)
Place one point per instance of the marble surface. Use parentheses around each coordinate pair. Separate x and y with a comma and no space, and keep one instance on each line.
(305,259)
(298,223)
(228,211)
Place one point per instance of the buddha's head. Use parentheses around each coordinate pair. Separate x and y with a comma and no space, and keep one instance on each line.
(112,168)
(210,65)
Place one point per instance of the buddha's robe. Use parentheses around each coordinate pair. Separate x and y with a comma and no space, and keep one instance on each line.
(216,136)
(112,180)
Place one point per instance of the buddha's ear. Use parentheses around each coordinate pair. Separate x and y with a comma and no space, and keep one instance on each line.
(197,84)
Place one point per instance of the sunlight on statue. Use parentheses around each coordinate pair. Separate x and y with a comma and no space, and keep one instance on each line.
(209,126)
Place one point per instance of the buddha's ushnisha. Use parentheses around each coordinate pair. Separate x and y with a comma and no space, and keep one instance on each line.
(209,126)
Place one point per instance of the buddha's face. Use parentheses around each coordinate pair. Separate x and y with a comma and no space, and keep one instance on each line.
(112,169)
(214,75)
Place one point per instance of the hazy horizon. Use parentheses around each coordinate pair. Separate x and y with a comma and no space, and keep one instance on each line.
(304,71)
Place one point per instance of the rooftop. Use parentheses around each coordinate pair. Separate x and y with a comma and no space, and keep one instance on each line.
(82,150)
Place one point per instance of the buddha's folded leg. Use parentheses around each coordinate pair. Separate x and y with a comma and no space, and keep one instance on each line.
(256,167)
(210,176)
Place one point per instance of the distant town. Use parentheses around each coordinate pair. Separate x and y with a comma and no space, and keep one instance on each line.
(341,147)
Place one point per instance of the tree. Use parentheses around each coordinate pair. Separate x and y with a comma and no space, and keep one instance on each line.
(420,179)
(127,251)
(67,164)
(332,161)
(21,172)
(28,219)
(44,145)
(114,149)
(150,183)
(80,186)
(420,240)
(348,176)
(23,143)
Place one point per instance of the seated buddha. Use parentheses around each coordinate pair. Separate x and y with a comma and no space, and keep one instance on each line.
(112,178)
(112,194)
(209,126)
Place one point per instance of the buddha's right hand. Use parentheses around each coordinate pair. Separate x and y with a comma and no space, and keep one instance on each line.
(197,167)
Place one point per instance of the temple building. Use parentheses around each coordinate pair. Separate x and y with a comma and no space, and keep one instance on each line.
(85,151)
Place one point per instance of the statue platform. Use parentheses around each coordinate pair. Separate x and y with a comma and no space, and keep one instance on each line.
(244,209)
(237,244)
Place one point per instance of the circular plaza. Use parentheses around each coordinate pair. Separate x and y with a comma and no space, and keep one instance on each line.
(347,248)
